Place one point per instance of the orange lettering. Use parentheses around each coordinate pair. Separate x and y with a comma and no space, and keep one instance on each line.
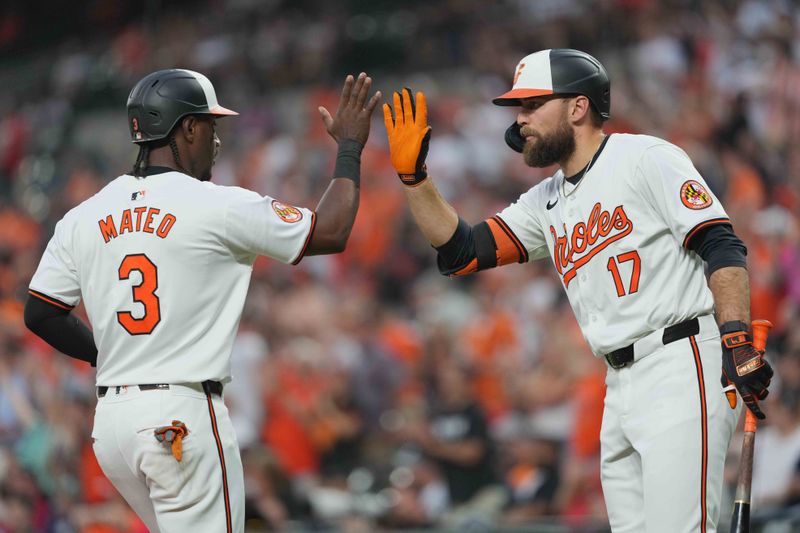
(125,224)
(592,224)
(620,218)
(166,225)
(107,228)
(139,211)
(583,236)
(578,238)
(148,222)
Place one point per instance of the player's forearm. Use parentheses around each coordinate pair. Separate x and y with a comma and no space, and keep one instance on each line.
(731,289)
(434,216)
(61,330)
(337,209)
(335,216)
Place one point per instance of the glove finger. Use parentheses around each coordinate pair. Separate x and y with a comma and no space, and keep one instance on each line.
(388,120)
(408,107)
(398,108)
(423,149)
(752,404)
(410,94)
(758,385)
(422,109)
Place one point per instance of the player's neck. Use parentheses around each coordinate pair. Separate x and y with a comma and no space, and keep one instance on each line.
(163,157)
(586,147)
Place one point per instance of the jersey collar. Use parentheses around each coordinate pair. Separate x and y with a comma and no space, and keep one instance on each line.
(571,182)
(151,171)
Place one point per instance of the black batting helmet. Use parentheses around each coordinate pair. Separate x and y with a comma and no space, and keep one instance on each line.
(560,71)
(164,97)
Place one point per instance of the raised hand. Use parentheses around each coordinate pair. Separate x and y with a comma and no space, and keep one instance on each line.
(352,119)
(409,135)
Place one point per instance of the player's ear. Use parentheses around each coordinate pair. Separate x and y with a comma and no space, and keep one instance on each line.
(580,108)
(188,127)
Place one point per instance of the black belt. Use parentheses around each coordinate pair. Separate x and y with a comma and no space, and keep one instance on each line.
(619,358)
(209,387)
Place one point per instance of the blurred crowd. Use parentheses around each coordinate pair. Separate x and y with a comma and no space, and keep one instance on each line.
(369,391)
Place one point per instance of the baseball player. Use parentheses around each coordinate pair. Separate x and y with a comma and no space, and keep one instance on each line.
(629,225)
(162,259)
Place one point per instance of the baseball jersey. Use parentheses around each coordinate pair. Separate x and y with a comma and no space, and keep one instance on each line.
(163,265)
(618,238)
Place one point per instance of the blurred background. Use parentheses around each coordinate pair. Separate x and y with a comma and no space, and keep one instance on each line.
(369,392)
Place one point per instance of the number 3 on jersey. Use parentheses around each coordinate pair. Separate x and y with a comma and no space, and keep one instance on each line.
(635,271)
(144,293)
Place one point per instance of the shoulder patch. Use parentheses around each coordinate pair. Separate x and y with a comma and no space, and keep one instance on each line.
(695,196)
(287,213)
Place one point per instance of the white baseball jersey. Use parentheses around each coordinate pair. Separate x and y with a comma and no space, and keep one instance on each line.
(618,238)
(618,241)
(163,265)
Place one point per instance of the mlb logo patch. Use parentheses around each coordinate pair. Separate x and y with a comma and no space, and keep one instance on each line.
(138,195)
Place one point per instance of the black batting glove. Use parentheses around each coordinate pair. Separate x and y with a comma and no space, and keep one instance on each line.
(744,366)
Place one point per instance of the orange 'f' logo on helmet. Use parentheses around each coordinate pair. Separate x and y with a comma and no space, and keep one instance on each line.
(519,72)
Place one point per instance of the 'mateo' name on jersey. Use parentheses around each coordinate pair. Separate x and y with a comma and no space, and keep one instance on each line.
(162,265)
(138,219)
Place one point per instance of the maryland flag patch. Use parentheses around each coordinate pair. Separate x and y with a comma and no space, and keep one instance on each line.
(695,196)
(287,213)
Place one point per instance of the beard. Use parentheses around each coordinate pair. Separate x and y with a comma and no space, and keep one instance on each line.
(549,149)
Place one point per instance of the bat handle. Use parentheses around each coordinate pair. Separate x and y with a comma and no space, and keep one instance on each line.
(740,522)
(760,330)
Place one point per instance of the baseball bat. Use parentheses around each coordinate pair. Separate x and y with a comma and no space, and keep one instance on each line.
(740,522)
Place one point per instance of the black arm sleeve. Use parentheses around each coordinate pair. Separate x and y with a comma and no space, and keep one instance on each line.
(467,244)
(719,246)
(60,329)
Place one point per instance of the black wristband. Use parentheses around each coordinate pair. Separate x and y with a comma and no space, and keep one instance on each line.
(348,161)
(733,326)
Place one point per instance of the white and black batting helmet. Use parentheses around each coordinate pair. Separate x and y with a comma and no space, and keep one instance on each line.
(162,98)
(560,71)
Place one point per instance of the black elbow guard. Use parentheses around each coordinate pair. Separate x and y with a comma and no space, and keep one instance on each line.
(467,245)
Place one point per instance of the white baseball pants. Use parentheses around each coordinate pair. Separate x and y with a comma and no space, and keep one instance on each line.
(204,491)
(666,429)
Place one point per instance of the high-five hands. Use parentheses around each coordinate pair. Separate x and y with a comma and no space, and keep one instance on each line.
(409,135)
(352,119)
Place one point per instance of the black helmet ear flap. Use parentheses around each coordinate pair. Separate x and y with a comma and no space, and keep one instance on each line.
(514,138)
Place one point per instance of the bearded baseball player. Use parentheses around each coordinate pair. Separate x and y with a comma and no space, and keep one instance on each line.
(630,226)
(162,259)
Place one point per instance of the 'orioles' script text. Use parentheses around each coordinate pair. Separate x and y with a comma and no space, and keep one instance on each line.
(144,219)
(601,229)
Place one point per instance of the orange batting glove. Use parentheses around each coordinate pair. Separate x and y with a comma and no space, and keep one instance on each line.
(409,135)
